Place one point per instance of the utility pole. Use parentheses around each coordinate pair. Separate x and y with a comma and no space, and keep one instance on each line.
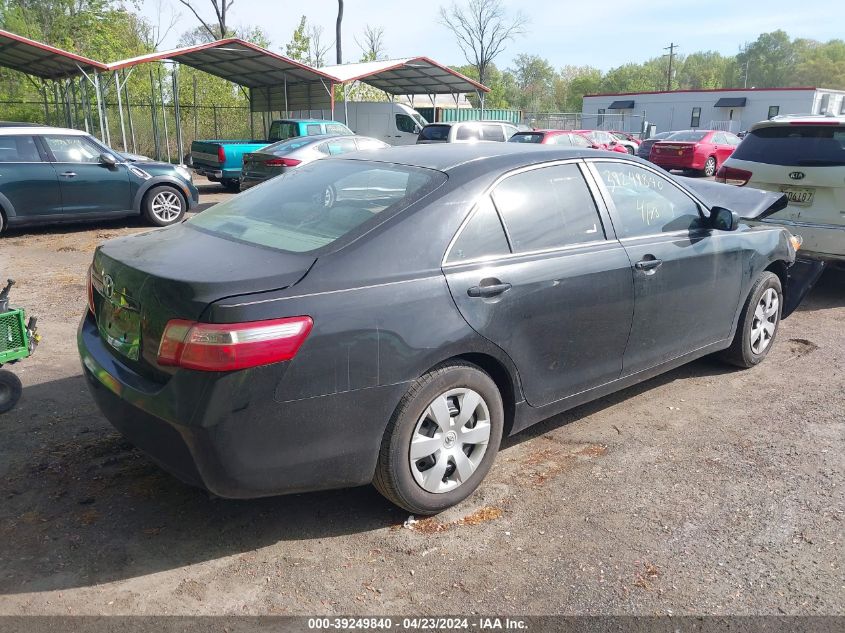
(671,48)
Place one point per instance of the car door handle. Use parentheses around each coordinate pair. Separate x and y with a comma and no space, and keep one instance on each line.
(487,291)
(648,263)
(68,174)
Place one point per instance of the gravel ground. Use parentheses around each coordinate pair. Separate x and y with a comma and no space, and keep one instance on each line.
(705,491)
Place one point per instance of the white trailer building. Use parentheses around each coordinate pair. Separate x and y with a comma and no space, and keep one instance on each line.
(733,109)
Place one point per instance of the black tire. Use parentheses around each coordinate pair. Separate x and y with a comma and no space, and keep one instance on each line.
(11,390)
(709,167)
(630,150)
(231,184)
(155,196)
(393,476)
(741,352)
(2,222)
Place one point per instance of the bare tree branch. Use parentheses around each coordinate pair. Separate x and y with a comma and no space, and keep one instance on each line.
(316,48)
(372,43)
(482,30)
(220,7)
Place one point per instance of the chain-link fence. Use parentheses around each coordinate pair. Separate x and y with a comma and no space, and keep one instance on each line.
(150,130)
(581,121)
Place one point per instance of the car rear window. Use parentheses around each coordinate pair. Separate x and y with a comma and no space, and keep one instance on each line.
(288,146)
(527,137)
(338,128)
(314,205)
(693,137)
(795,145)
(434,133)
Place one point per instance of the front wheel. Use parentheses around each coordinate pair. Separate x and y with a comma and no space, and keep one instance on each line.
(10,390)
(709,167)
(758,323)
(164,206)
(442,439)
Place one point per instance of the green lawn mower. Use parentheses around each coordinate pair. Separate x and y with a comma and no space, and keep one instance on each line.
(18,339)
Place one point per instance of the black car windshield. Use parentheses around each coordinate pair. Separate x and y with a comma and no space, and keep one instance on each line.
(435,133)
(686,136)
(311,206)
(795,145)
(527,137)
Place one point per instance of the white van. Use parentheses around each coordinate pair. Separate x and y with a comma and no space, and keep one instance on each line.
(393,123)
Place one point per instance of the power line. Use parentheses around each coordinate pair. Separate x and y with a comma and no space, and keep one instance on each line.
(671,48)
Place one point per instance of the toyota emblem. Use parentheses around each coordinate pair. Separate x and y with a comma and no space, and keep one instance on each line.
(796,175)
(108,286)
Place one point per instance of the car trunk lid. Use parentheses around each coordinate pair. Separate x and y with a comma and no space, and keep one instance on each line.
(143,281)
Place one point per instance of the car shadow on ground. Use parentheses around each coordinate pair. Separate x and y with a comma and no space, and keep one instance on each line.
(829,291)
(81,506)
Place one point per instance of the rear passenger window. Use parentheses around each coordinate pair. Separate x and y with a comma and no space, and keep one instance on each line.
(493,133)
(645,202)
(337,128)
(18,149)
(313,129)
(468,133)
(547,208)
(482,236)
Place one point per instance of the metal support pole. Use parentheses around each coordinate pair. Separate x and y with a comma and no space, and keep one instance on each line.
(164,115)
(100,111)
(73,102)
(196,114)
(129,109)
(153,115)
(46,105)
(177,114)
(287,109)
(120,111)
(86,107)
(216,130)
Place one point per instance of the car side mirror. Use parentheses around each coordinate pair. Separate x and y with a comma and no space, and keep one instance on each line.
(724,219)
(108,160)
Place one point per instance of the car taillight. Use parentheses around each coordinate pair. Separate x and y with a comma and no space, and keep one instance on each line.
(282,162)
(733,176)
(221,154)
(91,291)
(231,346)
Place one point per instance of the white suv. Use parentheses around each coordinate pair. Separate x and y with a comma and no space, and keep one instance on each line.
(804,157)
(466,132)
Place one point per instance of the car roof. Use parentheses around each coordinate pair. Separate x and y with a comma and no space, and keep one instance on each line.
(451,123)
(543,132)
(449,156)
(308,121)
(794,119)
(35,128)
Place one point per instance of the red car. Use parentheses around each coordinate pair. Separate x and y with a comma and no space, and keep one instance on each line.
(602,140)
(701,150)
(551,137)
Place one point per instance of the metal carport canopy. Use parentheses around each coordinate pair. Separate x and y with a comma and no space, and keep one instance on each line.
(409,76)
(41,60)
(275,82)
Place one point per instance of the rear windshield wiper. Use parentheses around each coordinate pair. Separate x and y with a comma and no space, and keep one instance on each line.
(813,162)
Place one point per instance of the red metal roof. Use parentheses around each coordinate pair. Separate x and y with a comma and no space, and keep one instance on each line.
(660,92)
(42,60)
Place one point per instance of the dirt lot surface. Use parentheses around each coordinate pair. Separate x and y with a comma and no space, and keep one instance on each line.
(707,490)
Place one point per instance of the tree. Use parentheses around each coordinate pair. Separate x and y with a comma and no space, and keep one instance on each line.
(221,7)
(372,44)
(534,78)
(482,30)
(768,62)
(300,43)
(702,71)
(316,48)
(819,64)
(337,32)
(572,83)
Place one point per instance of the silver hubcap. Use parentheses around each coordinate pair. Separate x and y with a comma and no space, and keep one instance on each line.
(765,321)
(166,206)
(710,167)
(449,440)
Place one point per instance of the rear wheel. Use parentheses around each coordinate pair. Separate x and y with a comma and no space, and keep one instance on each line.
(163,206)
(709,167)
(758,323)
(10,390)
(442,439)
(630,149)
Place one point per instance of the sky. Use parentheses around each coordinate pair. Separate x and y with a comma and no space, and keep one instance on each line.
(604,34)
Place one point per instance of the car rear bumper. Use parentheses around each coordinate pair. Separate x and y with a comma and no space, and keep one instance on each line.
(676,162)
(226,432)
(208,172)
(821,241)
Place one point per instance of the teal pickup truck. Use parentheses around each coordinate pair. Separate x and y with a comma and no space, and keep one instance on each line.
(221,160)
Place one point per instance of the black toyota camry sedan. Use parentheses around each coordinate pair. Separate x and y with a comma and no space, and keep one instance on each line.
(388,317)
